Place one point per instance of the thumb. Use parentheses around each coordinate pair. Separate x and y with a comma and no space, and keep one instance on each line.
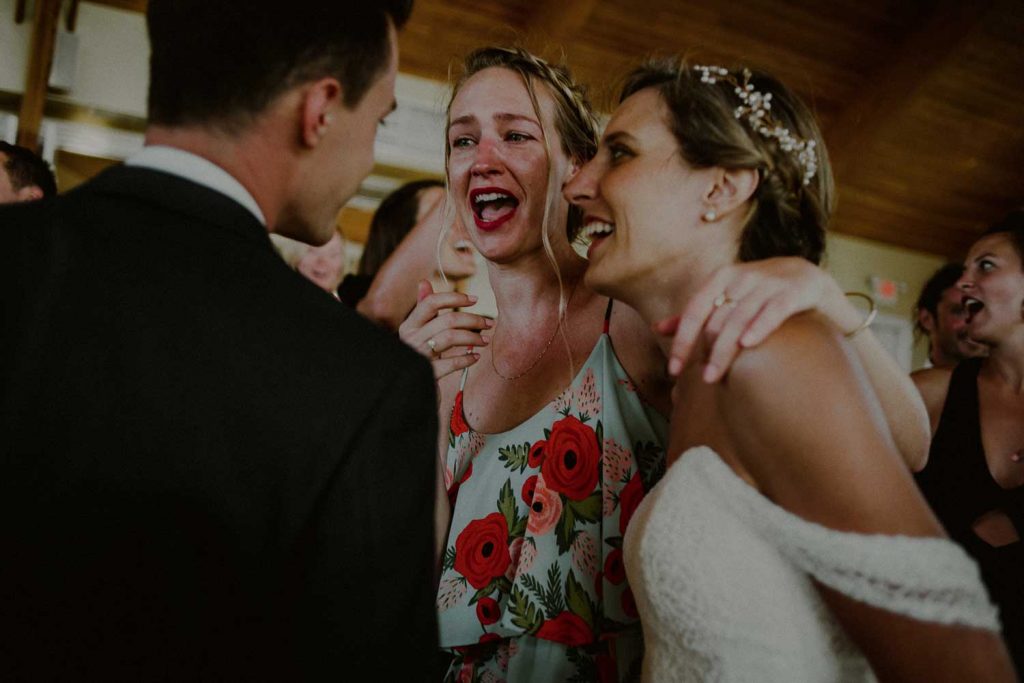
(423,290)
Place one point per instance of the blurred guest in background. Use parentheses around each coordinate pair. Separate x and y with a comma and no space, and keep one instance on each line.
(941,317)
(405,246)
(24,175)
(324,265)
(975,470)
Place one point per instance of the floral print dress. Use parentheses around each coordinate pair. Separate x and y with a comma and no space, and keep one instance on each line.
(533,586)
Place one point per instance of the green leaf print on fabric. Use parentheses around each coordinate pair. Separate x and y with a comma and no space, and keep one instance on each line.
(448,562)
(524,613)
(578,601)
(500,584)
(565,532)
(588,509)
(515,456)
(510,511)
(550,597)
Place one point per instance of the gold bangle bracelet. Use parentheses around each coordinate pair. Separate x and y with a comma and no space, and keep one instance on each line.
(870,318)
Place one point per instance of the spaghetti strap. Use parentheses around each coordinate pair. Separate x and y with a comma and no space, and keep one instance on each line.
(462,382)
(608,316)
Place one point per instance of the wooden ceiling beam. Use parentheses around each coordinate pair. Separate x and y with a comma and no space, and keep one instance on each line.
(40,59)
(553,23)
(890,90)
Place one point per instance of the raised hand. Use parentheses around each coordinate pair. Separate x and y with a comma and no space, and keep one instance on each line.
(443,335)
(744,303)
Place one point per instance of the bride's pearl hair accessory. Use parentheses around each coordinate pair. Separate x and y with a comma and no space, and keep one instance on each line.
(756,111)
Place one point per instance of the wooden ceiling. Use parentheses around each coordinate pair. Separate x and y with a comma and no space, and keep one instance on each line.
(921,102)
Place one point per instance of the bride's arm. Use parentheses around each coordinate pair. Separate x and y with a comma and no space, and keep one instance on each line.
(806,425)
(766,293)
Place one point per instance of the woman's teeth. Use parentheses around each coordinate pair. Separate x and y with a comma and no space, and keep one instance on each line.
(595,229)
(972,305)
(492,205)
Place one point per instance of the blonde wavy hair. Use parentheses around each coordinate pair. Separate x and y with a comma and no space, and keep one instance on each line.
(575,122)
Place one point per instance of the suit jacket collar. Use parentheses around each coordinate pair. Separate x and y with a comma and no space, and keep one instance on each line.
(179,195)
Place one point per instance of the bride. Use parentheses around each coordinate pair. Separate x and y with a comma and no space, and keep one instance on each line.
(787,541)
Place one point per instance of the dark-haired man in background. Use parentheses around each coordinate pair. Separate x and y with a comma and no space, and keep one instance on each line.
(24,175)
(940,315)
(210,470)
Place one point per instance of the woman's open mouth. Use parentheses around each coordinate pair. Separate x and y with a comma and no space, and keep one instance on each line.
(591,234)
(492,206)
(972,306)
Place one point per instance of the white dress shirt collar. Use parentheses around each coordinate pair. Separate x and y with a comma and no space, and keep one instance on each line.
(197,169)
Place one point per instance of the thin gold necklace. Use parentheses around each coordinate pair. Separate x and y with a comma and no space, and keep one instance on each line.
(543,351)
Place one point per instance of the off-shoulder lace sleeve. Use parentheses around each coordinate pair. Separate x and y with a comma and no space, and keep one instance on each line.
(930,579)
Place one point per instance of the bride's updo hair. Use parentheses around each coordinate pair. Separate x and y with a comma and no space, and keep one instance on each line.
(790,208)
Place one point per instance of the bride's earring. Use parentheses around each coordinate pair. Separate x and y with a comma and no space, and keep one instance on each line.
(710,216)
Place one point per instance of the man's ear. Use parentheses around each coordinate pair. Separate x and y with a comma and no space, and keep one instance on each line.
(730,189)
(926,320)
(319,102)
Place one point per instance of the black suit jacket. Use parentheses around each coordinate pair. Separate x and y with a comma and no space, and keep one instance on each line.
(209,468)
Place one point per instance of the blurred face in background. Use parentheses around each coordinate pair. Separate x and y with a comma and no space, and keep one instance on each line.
(324,266)
(948,331)
(456,253)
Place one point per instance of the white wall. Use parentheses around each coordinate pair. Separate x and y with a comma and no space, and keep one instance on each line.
(112,57)
(853,261)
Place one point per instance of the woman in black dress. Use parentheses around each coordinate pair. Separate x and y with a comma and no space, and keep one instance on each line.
(975,470)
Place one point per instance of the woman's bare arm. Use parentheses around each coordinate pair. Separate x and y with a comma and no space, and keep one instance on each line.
(766,294)
(807,426)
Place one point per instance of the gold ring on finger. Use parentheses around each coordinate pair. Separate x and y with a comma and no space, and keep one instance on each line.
(722,300)
(432,345)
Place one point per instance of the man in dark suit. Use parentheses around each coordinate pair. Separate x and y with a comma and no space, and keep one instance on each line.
(209,469)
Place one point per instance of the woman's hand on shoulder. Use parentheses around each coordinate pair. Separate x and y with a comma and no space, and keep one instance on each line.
(742,304)
(443,335)
(810,430)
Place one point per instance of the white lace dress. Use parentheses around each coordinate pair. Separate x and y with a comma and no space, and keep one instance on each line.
(722,580)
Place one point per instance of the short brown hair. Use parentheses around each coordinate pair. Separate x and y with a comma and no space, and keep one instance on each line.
(222,62)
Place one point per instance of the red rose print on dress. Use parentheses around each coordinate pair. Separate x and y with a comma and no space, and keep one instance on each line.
(629,500)
(487,611)
(458,425)
(567,628)
(529,486)
(536,456)
(545,510)
(571,462)
(481,550)
(614,570)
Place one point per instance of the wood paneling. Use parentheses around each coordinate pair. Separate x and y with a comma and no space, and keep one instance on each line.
(920,101)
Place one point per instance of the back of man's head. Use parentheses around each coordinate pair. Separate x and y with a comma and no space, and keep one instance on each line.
(28,174)
(220,64)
